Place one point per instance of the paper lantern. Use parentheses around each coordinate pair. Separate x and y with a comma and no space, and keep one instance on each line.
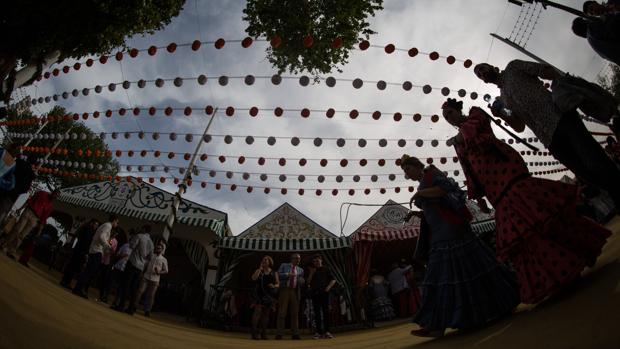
(361,142)
(223,80)
(103,59)
(389,48)
(330,113)
(445,91)
(219,43)
(304,80)
(381,162)
(249,80)
(276,79)
(337,43)
(330,81)
(202,79)
(353,114)
(401,143)
(261,161)
(363,162)
(364,45)
(468,63)
(118,56)
(275,42)
(305,112)
(278,111)
(295,141)
(230,111)
(450,59)
(335,192)
(427,89)
(308,41)
(196,45)
(222,158)
(358,83)
(271,140)
(340,142)
(303,162)
(434,55)
(435,118)
(344,162)
(323,162)
(245,43)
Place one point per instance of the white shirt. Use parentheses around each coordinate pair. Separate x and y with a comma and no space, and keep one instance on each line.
(157,263)
(101,239)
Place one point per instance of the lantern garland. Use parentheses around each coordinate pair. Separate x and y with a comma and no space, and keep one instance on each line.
(249,189)
(245,43)
(249,80)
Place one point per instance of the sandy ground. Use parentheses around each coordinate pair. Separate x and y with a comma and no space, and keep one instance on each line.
(37,313)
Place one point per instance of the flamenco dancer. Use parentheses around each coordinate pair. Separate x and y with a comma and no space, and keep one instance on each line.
(464,287)
(538,227)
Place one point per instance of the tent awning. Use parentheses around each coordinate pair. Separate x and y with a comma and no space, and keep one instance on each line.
(386,235)
(283,245)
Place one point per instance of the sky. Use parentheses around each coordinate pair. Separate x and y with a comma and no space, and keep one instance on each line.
(450,27)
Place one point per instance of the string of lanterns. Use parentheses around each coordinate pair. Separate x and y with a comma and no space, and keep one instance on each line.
(220,43)
(249,189)
(249,80)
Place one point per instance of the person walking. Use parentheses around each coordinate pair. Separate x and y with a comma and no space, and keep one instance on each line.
(264,297)
(157,265)
(78,255)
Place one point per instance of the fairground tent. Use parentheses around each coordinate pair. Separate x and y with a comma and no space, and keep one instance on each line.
(280,233)
(138,203)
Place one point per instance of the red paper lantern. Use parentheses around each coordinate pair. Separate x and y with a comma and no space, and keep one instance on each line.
(261,161)
(203,157)
(230,111)
(305,112)
(363,162)
(253,111)
(103,59)
(121,112)
(108,113)
(381,162)
(152,110)
(233,187)
(143,153)
(351,192)
(302,162)
(118,56)
(196,45)
(171,47)
(55,72)
(413,52)
(133,53)
(376,115)
(209,110)
(89,62)
(318,192)
(468,63)
(266,190)
(450,59)
(222,158)
(76,66)
(152,50)
(344,162)
(156,153)
(308,41)
(241,159)
(65,69)
(364,45)
(278,111)
(85,116)
(382,190)
(435,118)
(170,155)
(398,116)
(187,156)
(417,117)
(136,111)
(337,43)
(249,189)
(353,114)
(47,75)
(389,48)
(434,55)
(335,192)
(330,113)
(187,111)
(323,162)
(119,153)
(283,191)
(246,42)
(219,43)
(276,41)
(282,161)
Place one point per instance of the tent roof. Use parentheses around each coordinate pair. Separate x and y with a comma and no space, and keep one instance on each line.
(144,201)
(387,224)
(286,222)
(284,245)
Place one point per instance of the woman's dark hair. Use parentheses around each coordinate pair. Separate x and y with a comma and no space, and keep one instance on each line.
(452,103)
(580,27)
(407,160)
(586,5)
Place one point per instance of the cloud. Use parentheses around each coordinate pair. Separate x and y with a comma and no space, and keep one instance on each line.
(459,28)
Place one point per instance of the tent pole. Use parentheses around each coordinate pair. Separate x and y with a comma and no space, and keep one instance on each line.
(183,186)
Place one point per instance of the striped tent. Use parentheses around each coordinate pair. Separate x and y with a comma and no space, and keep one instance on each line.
(142,201)
(285,229)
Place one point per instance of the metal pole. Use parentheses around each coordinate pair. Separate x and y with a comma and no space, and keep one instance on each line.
(183,186)
(36,133)
(52,149)
(524,51)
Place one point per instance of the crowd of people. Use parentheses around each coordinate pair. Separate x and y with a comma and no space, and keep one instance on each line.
(130,271)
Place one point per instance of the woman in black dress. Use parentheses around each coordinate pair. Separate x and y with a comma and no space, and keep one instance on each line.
(265,296)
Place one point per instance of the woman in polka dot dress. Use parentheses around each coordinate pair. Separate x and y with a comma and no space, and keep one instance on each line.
(538,227)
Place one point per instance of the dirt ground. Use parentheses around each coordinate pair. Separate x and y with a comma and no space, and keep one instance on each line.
(35,312)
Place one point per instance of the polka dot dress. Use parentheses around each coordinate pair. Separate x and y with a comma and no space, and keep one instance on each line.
(538,228)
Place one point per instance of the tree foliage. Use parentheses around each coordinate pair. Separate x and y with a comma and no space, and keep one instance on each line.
(325,21)
(109,167)
(77,28)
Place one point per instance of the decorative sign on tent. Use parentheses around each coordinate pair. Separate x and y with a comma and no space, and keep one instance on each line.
(387,224)
(286,222)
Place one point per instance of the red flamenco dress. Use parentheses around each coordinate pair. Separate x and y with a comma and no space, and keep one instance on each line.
(538,227)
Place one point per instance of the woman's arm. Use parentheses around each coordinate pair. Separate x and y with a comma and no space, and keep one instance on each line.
(430,192)
(256,274)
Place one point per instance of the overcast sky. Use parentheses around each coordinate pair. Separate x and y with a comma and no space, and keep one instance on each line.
(450,27)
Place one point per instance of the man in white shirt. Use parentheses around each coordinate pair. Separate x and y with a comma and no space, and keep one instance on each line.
(400,288)
(100,244)
(141,248)
(156,266)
